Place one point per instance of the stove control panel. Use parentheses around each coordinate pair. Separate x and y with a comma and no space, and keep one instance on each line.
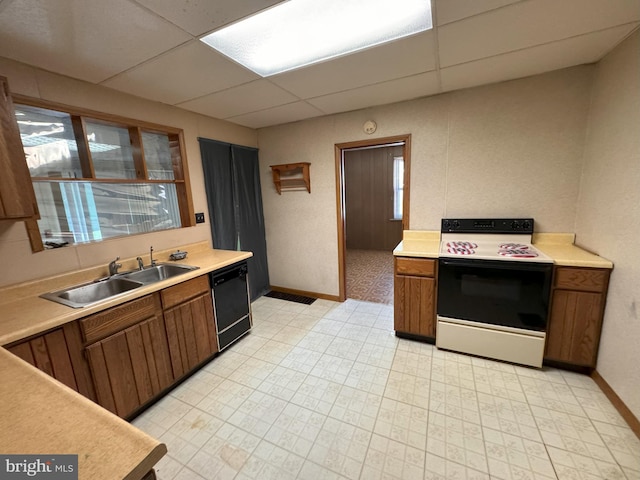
(487,225)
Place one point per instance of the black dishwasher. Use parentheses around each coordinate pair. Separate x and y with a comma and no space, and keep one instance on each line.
(231,303)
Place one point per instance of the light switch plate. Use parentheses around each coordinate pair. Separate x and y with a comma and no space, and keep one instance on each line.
(200,217)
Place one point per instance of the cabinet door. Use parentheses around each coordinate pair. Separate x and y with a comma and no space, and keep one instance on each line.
(59,354)
(191,333)
(574,327)
(414,305)
(131,367)
(17,198)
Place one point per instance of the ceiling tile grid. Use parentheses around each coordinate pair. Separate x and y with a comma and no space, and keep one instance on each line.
(152,49)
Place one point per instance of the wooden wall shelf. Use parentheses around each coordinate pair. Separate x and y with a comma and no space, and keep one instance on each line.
(291,176)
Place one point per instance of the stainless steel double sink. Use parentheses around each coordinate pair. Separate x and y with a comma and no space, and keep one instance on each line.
(90,293)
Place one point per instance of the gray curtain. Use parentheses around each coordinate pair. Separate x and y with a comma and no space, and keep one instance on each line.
(234,198)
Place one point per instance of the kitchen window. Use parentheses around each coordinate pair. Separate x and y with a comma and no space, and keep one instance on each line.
(97,178)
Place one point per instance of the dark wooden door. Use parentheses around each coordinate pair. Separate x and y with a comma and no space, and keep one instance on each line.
(369,199)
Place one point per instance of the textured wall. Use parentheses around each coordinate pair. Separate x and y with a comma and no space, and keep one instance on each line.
(608,218)
(19,264)
(509,149)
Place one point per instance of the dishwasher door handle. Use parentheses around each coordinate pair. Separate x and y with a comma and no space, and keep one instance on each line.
(239,272)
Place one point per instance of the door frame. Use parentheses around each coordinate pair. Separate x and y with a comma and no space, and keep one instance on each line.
(340,201)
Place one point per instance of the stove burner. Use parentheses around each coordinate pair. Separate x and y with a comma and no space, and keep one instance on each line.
(517,252)
(467,245)
(513,246)
(460,250)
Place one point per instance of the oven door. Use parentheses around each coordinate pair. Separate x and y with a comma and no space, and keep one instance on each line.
(496,292)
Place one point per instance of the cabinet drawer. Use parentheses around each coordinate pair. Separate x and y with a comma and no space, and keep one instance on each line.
(583,279)
(421,267)
(103,324)
(184,291)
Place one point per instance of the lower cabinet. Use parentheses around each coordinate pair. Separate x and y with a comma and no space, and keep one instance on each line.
(188,314)
(127,355)
(576,312)
(130,364)
(415,296)
(58,353)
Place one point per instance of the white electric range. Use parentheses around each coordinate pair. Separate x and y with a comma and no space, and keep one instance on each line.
(493,290)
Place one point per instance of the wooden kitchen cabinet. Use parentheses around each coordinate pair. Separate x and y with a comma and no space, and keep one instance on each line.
(576,312)
(415,297)
(58,353)
(128,354)
(188,314)
(17,197)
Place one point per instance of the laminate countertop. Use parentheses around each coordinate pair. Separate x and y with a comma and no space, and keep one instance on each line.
(558,246)
(23,313)
(418,243)
(39,415)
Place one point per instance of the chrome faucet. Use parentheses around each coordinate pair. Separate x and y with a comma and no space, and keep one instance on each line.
(151,260)
(140,263)
(114,266)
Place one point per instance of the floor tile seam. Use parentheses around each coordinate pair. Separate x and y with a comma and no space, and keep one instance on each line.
(547,446)
(508,462)
(537,423)
(426,442)
(480,425)
(373,432)
(603,441)
(192,473)
(191,407)
(458,463)
(595,429)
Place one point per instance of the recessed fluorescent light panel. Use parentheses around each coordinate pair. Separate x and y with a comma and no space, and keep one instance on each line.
(297,33)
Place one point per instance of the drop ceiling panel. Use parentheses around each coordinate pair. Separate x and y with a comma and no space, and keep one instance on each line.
(251,97)
(527,24)
(409,56)
(148,48)
(87,39)
(184,73)
(201,16)
(448,11)
(380,94)
(292,112)
(532,61)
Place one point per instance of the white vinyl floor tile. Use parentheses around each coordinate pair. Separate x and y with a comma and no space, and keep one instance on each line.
(327,391)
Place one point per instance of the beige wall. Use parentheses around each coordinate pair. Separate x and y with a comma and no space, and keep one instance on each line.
(608,217)
(18,263)
(509,149)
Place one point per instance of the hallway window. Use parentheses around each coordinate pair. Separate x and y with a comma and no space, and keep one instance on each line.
(398,187)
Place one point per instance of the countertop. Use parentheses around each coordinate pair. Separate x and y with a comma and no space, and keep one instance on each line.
(559,246)
(24,313)
(418,243)
(39,415)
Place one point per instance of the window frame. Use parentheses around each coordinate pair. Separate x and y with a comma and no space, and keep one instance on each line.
(79,116)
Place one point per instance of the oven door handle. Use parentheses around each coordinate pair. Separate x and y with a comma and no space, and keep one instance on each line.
(500,264)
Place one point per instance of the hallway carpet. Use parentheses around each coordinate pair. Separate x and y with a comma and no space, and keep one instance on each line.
(370,276)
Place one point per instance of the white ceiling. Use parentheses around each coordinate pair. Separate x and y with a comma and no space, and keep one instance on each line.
(150,48)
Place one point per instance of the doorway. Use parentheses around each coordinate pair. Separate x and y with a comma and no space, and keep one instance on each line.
(372,183)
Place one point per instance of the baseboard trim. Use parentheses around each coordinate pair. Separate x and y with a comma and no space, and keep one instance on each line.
(617,402)
(333,298)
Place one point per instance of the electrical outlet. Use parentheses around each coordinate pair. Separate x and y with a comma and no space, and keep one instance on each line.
(200,217)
